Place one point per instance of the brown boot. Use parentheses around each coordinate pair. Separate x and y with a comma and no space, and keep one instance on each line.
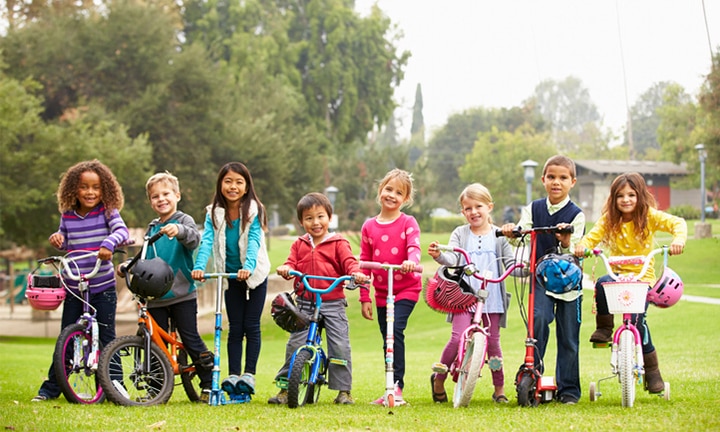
(604,328)
(653,380)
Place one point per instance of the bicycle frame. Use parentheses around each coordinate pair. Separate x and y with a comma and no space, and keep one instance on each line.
(627,325)
(458,367)
(313,343)
(389,396)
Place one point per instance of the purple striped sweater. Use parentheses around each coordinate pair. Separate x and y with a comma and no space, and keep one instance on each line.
(90,233)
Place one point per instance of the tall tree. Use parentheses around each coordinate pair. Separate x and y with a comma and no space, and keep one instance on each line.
(645,121)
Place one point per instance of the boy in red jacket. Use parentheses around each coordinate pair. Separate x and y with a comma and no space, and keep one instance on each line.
(321,253)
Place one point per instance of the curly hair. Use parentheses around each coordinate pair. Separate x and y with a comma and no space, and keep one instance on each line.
(67,193)
(645,200)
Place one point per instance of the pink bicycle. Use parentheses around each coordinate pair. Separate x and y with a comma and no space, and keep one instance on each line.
(626,295)
(472,347)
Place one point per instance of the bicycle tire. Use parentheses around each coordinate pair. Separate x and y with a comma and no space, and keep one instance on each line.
(77,380)
(190,379)
(526,390)
(470,367)
(299,386)
(626,362)
(122,376)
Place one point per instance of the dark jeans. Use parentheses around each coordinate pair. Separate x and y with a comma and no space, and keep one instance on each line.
(567,317)
(105,303)
(185,316)
(244,319)
(637,319)
(403,309)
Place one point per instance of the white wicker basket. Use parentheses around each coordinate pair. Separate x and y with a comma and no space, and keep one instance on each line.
(626,297)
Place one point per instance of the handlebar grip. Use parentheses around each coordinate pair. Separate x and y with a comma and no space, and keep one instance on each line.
(567,230)
(516,232)
(372,265)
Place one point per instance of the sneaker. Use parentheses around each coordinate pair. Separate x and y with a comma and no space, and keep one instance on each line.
(567,399)
(39,398)
(205,396)
(279,399)
(344,398)
(245,384)
(398,398)
(229,384)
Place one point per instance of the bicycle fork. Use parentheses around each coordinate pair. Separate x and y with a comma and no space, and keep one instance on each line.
(639,361)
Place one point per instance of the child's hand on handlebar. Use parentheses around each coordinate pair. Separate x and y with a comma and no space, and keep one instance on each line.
(563,237)
(284,271)
(433,250)
(360,278)
(105,254)
(508,229)
(579,251)
(407,266)
(198,275)
(676,248)
(243,274)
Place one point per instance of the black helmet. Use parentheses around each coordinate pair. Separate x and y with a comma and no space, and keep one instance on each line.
(287,315)
(151,278)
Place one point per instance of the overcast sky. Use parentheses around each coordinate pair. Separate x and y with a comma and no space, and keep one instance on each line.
(492,53)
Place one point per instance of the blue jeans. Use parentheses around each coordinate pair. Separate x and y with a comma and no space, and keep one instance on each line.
(184,314)
(637,319)
(105,302)
(567,316)
(403,309)
(244,319)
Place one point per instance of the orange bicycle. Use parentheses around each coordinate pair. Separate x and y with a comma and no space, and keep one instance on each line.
(140,370)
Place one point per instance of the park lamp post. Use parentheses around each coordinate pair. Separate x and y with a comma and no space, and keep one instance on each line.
(529,174)
(331,192)
(702,154)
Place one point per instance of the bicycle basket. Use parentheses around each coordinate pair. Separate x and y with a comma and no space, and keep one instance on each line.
(44,292)
(626,297)
(447,292)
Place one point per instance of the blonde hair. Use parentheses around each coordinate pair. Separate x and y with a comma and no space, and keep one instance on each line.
(477,192)
(405,178)
(164,177)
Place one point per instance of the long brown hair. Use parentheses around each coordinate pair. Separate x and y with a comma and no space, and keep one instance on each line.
(67,192)
(645,200)
(250,195)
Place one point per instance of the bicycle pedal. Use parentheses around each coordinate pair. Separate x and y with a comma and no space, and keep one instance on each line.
(439,368)
(601,344)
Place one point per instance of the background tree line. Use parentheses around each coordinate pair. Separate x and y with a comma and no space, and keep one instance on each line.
(299,90)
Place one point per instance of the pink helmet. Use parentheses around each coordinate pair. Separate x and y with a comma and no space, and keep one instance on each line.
(44,292)
(667,290)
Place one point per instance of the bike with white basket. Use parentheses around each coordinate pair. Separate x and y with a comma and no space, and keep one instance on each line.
(627,295)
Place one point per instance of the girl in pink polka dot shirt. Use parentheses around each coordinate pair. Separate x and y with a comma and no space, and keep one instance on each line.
(392,237)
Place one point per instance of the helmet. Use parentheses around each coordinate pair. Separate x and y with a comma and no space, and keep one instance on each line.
(667,290)
(151,278)
(286,314)
(447,291)
(558,273)
(44,292)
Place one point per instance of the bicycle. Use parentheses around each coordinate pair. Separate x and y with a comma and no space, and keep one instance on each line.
(77,350)
(140,369)
(532,388)
(309,363)
(217,392)
(626,295)
(472,346)
(389,395)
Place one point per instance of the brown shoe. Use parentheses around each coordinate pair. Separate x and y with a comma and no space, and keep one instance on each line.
(279,399)
(653,380)
(604,329)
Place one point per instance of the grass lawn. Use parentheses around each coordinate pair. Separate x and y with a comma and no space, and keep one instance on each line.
(686,337)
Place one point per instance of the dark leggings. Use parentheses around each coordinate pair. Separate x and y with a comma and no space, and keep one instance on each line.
(244,319)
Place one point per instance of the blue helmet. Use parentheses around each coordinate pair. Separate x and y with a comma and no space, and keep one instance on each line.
(558,273)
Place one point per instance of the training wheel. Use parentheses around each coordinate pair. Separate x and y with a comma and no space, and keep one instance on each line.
(592,391)
(666,392)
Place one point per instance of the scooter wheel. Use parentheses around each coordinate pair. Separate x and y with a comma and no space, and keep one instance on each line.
(591,391)
(526,391)
(666,392)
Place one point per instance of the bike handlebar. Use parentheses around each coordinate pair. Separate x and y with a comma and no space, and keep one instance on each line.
(220,275)
(306,283)
(372,265)
(519,232)
(626,260)
(470,268)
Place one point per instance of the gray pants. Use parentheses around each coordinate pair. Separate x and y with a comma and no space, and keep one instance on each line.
(337,335)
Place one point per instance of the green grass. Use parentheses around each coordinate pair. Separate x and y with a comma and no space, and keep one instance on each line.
(686,337)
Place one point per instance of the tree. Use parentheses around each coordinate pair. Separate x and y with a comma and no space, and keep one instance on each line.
(645,121)
(709,102)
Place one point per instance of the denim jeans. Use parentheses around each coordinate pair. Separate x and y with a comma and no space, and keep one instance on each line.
(637,319)
(403,309)
(244,324)
(184,314)
(567,317)
(105,303)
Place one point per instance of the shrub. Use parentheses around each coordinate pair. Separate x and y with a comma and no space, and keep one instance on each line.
(446,224)
(685,211)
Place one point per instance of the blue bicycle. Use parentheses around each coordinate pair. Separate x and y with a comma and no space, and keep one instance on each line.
(309,363)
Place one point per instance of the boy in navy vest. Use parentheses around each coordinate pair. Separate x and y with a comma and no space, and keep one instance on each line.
(558,177)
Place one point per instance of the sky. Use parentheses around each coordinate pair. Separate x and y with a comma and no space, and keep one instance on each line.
(492,53)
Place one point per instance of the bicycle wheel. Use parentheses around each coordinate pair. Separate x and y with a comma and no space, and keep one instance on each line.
(75,377)
(299,387)
(125,379)
(190,379)
(526,390)
(626,363)
(469,372)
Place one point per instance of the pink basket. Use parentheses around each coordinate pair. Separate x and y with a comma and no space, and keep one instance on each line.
(626,297)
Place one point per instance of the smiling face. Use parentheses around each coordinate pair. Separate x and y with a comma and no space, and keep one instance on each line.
(558,181)
(477,214)
(163,199)
(626,201)
(316,222)
(233,187)
(89,192)
(393,195)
